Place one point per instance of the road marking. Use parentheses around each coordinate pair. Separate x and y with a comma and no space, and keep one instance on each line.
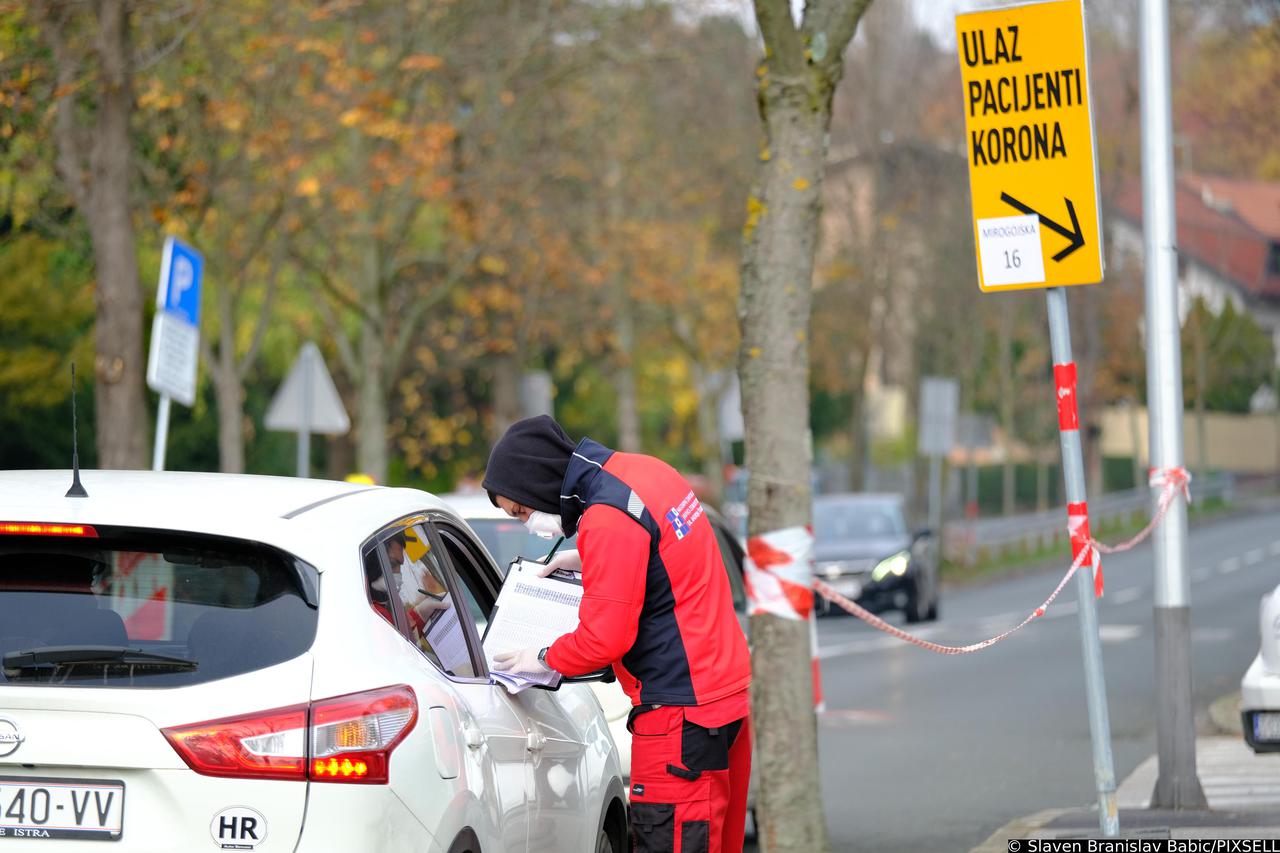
(1211,635)
(1124,596)
(1229,565)
(1253,557)
(1202,574)
(1118,633)
(851,717)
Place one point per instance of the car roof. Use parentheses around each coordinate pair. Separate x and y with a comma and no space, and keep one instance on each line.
(302,516)
(473,505)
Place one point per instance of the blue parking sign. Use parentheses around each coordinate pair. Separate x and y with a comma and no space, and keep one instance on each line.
(181,269)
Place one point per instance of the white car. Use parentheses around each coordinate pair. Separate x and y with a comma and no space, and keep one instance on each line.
(1260,687)
(206,661)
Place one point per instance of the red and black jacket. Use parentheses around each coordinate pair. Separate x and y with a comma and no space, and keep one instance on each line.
(656,602)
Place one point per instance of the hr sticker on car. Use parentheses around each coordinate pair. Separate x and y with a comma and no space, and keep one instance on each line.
(238,828)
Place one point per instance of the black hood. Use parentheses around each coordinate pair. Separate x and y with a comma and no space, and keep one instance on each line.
(528,464)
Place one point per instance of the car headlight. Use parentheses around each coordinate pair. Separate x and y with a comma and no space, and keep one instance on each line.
(895,565)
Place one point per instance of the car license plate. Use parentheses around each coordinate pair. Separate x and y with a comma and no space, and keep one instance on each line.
(1266,726)
(88,809)
(850,588)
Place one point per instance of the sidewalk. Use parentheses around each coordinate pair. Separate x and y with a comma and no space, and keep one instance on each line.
(1243,790)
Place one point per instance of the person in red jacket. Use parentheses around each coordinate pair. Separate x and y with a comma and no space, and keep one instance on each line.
(657,607)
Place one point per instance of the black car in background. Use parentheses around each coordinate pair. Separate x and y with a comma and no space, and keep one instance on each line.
(864,549)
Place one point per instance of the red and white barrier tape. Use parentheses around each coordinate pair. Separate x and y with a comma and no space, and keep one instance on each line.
(1174,480)
(778,566)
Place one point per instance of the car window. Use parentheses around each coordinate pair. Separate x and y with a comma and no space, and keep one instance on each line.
(477,590)
(507,539)
(169,609)
(410,586)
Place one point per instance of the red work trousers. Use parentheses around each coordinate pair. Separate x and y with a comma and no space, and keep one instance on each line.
(688,783)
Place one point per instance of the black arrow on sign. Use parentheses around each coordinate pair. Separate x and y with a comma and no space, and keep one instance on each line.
(1075,235)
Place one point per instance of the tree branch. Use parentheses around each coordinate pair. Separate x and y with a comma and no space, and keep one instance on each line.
(346,354)
(264,315)
(70,159)
(410,319)
(782,43)
(828,27)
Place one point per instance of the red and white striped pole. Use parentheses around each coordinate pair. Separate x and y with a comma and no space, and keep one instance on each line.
(1064,380)
(1064,375)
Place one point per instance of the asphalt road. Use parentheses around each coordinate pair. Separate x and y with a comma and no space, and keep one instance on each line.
(925,752)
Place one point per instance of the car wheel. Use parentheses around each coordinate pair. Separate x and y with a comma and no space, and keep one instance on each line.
(754,832)
(604,844)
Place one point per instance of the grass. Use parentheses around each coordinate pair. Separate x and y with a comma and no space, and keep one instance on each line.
(1012,559)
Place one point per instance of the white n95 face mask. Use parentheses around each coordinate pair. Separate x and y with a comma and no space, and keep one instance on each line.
(544,524)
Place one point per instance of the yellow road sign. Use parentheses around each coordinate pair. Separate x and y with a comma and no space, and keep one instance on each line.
(1029,138)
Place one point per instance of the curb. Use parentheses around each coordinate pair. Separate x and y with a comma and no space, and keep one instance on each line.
(1224,714)
(1022,827)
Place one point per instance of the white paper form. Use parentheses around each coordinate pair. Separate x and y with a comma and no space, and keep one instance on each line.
(531,612)
(447,640)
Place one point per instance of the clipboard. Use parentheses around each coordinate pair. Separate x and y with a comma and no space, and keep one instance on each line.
(531,611)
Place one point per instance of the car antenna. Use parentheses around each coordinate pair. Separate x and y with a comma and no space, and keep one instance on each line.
(76,490)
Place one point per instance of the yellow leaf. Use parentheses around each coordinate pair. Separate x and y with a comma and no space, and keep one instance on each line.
(308,187)
(800,184)
(492,265)
(754,352)
(350,118)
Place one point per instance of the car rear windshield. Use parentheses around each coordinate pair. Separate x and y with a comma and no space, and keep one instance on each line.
(132,608)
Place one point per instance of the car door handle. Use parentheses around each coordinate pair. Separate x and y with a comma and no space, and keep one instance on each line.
(473,736)
(535,741)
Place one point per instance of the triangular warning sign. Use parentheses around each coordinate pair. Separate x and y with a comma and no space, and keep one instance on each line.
(308,399)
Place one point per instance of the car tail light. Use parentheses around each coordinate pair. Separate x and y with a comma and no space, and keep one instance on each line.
(343,739)
(352,736)
(268,745)
(30,528)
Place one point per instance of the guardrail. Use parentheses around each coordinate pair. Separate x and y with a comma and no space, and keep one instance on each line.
(979,540)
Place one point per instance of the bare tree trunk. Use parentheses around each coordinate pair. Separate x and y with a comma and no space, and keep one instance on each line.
(624,376)
(229,391)
(506,393)
(1007,393)
(797,79)
(709,392)
(1088,357)
(1135,441)
(1202,371)
(624,321)
(101,192)
(371,442)
(859,422)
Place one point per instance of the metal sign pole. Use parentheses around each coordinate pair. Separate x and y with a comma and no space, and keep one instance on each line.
(304,421)
(1177,785)
(1073,475)
(162,434)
